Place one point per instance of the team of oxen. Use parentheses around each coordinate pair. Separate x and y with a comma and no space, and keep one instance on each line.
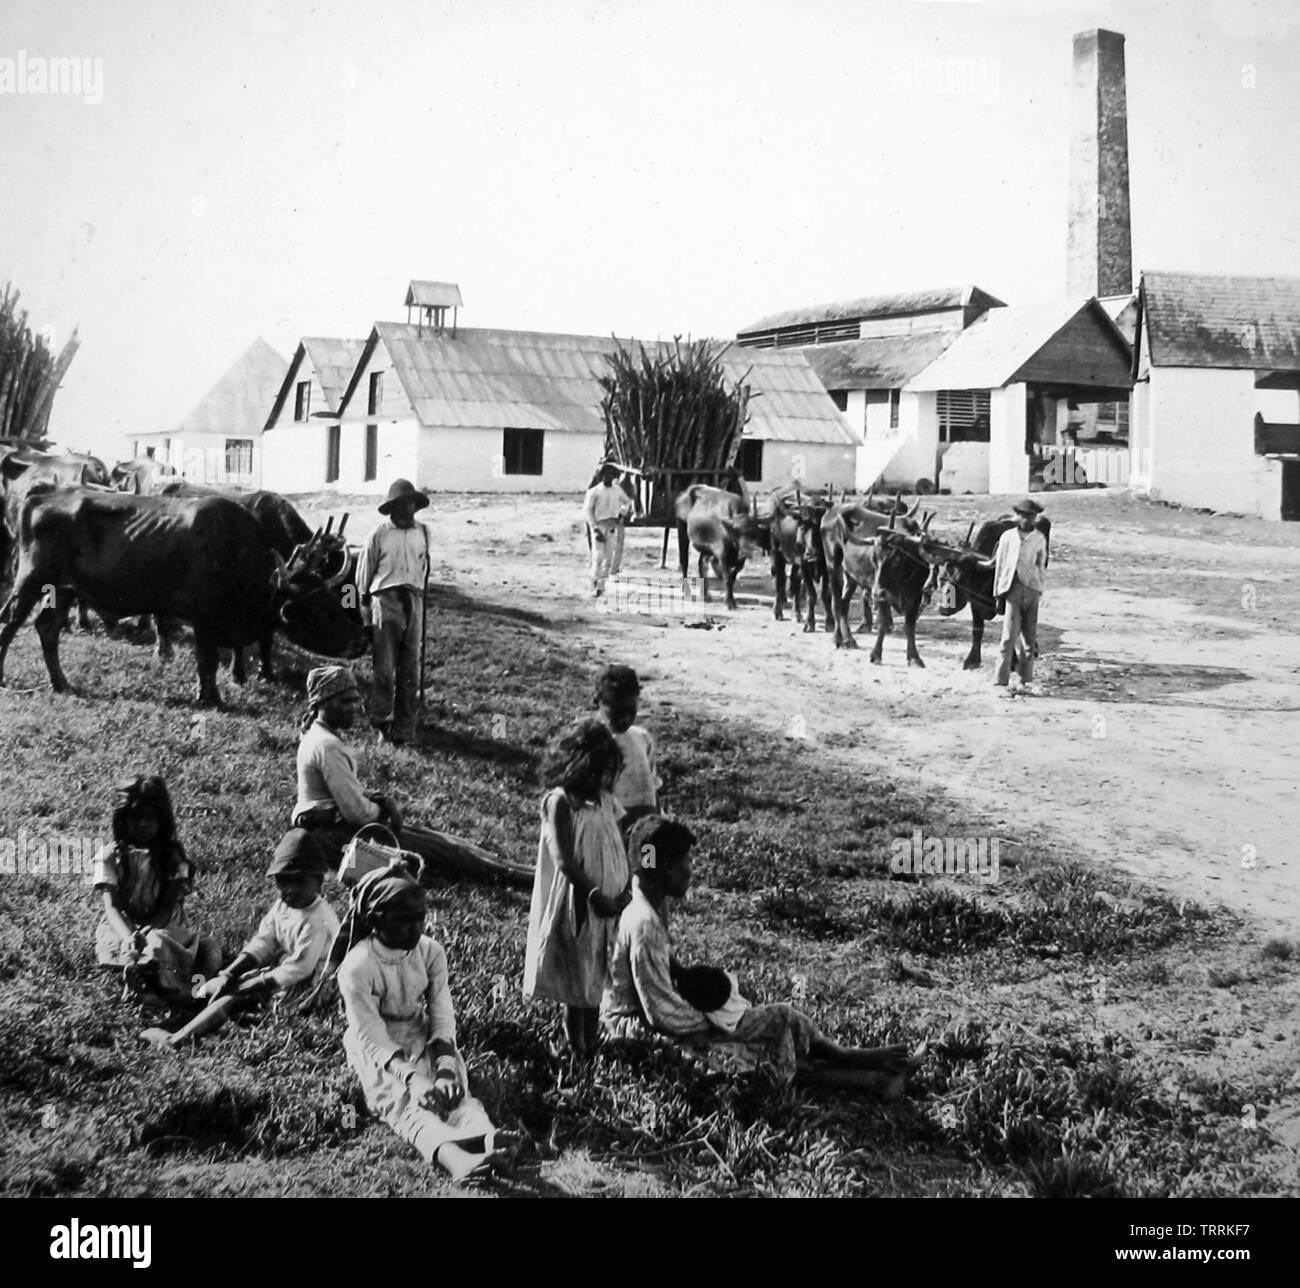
(819,546)
(138,542)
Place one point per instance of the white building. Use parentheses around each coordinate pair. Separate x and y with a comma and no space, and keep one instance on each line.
(510,411)
(219,442)
(1216,407)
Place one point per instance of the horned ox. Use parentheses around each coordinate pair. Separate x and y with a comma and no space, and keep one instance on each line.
(203,560)
(848,535)
(323,554)
(722,528)
(965,575)
(794,536)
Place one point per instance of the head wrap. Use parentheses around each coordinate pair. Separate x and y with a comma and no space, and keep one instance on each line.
(325,682)
(376,892)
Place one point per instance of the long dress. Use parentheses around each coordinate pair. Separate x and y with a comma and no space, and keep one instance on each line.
(642,1003)
(569,947)
(397,1002)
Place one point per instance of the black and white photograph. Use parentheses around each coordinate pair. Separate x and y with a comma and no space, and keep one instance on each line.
(622,600)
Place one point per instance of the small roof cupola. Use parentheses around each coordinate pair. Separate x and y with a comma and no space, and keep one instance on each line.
(432,300)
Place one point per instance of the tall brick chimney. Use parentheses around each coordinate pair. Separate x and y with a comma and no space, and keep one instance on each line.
(1099,257)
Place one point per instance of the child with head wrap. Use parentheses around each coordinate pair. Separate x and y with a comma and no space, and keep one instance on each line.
(286,956)
(401,1030)
(581,881)
(142,879)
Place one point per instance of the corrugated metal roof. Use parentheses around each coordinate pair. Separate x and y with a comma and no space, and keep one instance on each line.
(877,306)
(989,352)
(1200,320)
(887,362)
(436,295)
(491,379)
(334,361)
(238,403)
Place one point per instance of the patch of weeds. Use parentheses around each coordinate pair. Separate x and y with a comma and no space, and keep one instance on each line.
(1072,1176)
(1281,950)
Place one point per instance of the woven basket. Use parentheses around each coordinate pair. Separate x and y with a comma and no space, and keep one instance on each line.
(364,854)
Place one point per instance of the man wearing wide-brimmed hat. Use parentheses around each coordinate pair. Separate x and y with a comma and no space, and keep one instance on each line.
(1019,573)
(393,576)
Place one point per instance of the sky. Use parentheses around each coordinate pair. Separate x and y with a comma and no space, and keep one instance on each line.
(236,168)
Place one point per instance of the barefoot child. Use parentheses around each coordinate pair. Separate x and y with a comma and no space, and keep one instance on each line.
(401,1030)
(284,958)
(142,879)
(636,788)
(732,1036)
(581,881)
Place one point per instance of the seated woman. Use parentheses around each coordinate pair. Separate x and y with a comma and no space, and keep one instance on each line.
(401,1031)
(333,805)
(641,999)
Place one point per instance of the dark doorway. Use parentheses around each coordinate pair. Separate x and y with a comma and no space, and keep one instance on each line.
(1291,491)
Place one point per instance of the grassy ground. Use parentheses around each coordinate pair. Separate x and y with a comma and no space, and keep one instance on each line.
(1035,1082)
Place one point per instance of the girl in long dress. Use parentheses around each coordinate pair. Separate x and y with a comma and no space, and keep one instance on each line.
(401,1031)
(581,881)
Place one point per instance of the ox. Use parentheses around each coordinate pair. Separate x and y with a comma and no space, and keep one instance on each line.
(323,554)
(903,577)
(794,535)
(848,538)
(965,575)
(143,476)
(203,560)
(722,529)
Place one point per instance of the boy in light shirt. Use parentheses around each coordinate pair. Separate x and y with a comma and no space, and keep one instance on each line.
(636,788)
(284,958)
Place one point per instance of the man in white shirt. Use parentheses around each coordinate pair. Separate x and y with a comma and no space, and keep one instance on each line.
(1019,574)
(606,508)
(392,575)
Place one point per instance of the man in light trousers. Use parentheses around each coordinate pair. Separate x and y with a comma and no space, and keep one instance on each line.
(1019,574)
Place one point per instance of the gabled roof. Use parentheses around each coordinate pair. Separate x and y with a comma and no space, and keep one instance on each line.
(490,379)
(238,402)
(879,306)
(444,295)
(1202,320)
(333,362)
(994,350)
(887,362)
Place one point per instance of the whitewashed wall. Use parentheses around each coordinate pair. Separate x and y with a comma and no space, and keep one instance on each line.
(1200,431)
(1008,463)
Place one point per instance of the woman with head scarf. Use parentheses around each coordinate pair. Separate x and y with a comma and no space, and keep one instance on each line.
(401,1030)
(333,805)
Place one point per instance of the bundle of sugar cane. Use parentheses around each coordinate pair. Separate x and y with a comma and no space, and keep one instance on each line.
(670,407)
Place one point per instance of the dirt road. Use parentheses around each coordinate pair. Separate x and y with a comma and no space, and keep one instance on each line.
(1163,737)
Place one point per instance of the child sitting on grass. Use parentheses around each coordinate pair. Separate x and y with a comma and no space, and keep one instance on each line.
(618,692)
(401,1030)
(642,1000)
(581,882)
(289,950)
(142,880)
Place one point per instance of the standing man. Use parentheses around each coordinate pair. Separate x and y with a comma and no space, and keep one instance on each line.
(392,576)
(606,508)
(1019,574)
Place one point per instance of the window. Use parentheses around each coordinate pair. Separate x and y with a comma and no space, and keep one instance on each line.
(840,397)
(239,456)
(749,460)
(332,455)
(372,452)
(521,451)
(302,400)
(376,392)
(963,415)
(167,450)
(893,408)
(149,451)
